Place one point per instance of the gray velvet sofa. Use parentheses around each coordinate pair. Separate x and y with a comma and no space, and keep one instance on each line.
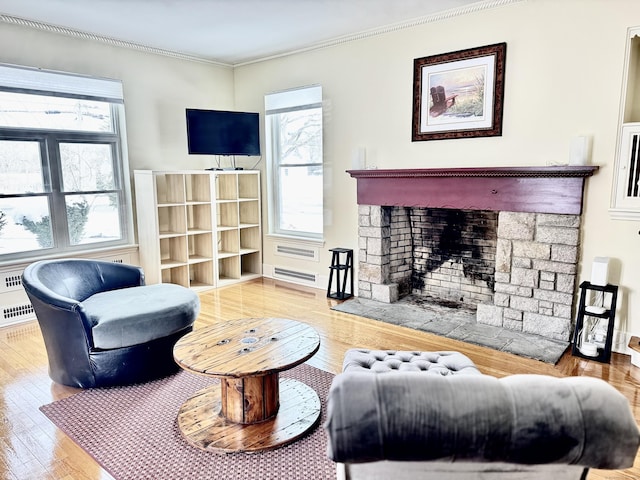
(102,326)
(387,419)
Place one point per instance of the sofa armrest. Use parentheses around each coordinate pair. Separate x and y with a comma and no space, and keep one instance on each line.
(525,419)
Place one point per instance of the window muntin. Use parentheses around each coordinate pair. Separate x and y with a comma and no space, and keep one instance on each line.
(64,187)
(295,158)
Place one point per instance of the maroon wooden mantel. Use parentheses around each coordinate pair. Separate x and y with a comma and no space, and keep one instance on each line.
(556,189)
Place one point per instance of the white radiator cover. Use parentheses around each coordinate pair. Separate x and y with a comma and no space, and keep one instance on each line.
(17,313)
(297,251)
(15,306)
(289,273)
(295,275)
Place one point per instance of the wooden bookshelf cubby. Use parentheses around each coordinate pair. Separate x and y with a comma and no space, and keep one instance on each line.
(199,229)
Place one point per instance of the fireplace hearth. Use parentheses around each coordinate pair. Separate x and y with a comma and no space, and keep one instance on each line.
(502,241)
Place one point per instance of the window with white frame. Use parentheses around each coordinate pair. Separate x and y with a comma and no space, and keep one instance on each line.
(294,160)
(62,181)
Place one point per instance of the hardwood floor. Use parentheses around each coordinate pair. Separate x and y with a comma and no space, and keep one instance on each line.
(32,448)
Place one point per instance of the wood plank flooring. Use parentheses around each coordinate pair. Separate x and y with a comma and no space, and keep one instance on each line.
(32,448)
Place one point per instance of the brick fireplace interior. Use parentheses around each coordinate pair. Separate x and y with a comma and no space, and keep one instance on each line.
(501,241)
(447,255)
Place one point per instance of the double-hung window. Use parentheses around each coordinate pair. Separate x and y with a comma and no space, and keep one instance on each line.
(62,170)
(294,159)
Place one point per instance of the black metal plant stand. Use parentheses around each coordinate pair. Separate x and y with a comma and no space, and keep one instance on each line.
(342,269)
(603,351)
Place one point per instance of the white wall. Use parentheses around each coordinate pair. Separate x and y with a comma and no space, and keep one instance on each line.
(563,78)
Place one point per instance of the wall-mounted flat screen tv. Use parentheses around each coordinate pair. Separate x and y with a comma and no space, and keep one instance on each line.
(218,132)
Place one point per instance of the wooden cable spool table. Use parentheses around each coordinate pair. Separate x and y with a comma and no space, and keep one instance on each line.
(252,409)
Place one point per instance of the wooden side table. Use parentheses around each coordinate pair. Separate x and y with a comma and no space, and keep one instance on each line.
(252,409)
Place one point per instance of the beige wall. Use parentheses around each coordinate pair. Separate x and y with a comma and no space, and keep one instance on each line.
(563,78)
(157,89)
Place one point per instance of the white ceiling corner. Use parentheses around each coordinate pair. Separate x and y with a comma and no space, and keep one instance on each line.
(230,32)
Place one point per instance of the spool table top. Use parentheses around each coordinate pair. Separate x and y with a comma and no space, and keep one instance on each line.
(247,347)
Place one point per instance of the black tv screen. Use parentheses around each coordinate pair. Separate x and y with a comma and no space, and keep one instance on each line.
(217,132)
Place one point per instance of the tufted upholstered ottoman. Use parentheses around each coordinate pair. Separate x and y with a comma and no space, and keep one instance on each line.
(380,361)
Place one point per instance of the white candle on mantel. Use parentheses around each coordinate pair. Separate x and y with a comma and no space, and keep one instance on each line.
(359,158)
(580,150)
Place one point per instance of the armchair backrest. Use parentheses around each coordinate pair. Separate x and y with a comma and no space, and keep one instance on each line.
(78,279)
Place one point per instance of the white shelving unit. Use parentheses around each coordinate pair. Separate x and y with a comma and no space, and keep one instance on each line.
(199,229)
(625,196)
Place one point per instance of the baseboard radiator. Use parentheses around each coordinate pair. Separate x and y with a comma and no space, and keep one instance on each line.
(300,252)
(17,313)
(15,306)
(295,276)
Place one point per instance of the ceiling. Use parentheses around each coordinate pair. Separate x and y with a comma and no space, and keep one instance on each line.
(231,32)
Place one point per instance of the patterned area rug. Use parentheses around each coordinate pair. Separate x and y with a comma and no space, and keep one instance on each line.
(132,433)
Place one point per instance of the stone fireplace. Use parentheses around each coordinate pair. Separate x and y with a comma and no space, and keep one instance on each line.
(503,241)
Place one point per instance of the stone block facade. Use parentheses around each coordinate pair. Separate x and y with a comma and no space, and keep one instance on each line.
(536,258)
(374,281)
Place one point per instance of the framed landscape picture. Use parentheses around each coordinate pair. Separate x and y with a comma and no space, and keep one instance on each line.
(459,94)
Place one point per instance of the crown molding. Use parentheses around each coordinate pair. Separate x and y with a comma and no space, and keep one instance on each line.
(447,14)
(70,32)
(436,17)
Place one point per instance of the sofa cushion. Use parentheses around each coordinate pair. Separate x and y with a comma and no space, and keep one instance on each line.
(523,419)
(131,316)
(380,361)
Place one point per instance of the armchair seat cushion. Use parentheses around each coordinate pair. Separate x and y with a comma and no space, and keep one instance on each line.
(133,316)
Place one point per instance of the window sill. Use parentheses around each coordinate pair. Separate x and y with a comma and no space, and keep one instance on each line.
(21,263)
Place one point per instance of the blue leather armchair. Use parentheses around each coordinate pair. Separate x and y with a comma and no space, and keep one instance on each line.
(102,326)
